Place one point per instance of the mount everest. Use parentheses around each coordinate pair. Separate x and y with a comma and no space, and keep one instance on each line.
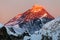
(34,24)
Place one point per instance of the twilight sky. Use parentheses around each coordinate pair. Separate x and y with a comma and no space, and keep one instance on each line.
(10,8)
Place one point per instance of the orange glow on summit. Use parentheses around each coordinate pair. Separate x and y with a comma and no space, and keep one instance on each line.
(36,8)
(33,13)
(36,12)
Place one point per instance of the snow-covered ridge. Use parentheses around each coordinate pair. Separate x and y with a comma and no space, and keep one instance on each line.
(14,30)
(53,28)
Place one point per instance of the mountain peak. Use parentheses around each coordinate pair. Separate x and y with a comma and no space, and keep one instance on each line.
(32,20)
(36,12)
(36,8)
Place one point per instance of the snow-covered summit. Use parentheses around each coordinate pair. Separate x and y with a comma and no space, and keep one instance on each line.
(32,20)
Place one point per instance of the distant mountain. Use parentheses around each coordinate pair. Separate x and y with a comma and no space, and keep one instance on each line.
(32,20)
(1,25)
